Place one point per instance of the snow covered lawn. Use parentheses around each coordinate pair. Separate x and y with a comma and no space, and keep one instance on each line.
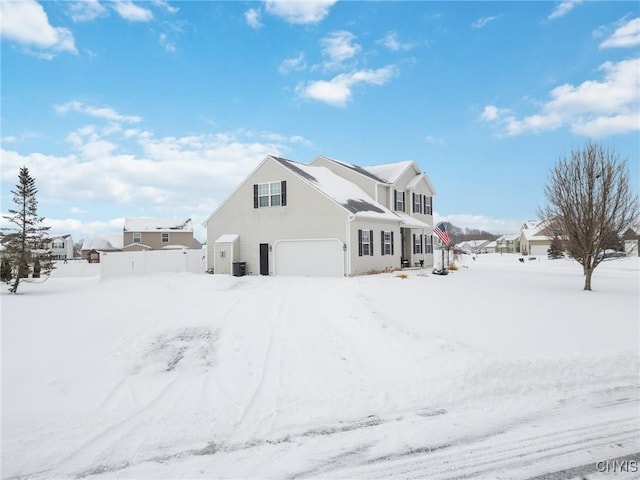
(498,370)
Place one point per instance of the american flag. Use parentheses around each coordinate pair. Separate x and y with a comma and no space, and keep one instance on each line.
(441,232)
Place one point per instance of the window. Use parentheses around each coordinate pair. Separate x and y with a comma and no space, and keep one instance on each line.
(428,208)
(365,243)
(417,243)
(137,237)
(399,200)
(57,244)
(272,194)
(417,203)
(165,238)
(386,240)
(428,239)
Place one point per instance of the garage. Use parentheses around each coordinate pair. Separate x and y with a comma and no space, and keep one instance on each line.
(309,258)
(539,250)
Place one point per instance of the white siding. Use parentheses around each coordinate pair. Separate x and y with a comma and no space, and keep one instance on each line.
(376,262)
(308,214)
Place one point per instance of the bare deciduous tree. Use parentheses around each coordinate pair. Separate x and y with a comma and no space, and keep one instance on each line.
(590,204)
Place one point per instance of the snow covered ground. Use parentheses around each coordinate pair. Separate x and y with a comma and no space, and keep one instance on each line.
(498,370)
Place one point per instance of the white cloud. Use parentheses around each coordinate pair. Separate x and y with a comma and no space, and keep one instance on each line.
(482,22)
(626,35)
(165,6)
(132,12)
(86,10)
(339,46)
(391,41)
(296,63)
(434,140)
(489,113)
(9,139)
(168,45)
(337,91)
(595,108)
(98,112)
(299,12)
(27,23)
(563,8)
(252,16)
(187,175)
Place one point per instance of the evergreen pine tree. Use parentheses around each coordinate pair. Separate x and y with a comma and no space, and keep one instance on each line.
(5,271)
(555,249)
(25,244)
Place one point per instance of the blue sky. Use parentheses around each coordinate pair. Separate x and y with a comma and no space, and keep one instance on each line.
(161,109)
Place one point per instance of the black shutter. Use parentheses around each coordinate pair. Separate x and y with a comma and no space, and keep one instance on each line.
(413,201)
(381,242)
(359,243)
(283,190)
(414,243)
(424,204)
(395,200)
(404,203)
(391,243)
(371,242)
(255,195)
(421,245)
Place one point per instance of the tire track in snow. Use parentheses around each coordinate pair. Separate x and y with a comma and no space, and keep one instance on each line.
(485,456)
(270,372)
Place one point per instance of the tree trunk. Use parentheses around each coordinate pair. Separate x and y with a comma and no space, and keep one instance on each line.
(587,278)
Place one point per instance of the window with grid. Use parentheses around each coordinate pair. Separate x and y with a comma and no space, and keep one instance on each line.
(137,237)
(165,238)
(417,203)
(428,204)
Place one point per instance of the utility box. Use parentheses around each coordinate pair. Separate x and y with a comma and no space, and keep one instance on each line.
(239,269)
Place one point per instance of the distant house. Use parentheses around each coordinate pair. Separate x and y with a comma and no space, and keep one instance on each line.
(474,246)
(157,233)
(490,247)
(329,218)
(631,239)
(535,238)
(91,247)
(508,243)
(61,247)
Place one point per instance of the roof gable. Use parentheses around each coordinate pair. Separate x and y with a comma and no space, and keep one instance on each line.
(391,172)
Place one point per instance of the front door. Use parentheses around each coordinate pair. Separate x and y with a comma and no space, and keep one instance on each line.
(264,259)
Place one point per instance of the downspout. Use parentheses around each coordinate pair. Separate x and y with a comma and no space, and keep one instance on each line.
(350,219)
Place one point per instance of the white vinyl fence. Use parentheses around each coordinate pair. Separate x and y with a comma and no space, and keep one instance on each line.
(118,264)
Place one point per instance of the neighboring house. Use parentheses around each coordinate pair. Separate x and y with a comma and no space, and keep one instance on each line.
(535,238)
(328,218)
(490,247)
(475,246)
(508,243)
(631,239)
(61,247)
(91,247)
(157,234)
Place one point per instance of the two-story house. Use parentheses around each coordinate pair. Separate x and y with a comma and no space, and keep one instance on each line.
(61,247)
(328,218)
(157,233)
(508,243)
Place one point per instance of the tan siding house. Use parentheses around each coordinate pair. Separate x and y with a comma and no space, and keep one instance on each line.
(323,219)
(157,233)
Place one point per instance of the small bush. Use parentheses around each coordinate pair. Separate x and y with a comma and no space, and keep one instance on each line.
(453,267)
(403,276)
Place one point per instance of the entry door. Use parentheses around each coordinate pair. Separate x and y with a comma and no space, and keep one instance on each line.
(264,259)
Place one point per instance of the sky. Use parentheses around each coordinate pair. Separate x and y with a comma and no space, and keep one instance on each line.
(160,109)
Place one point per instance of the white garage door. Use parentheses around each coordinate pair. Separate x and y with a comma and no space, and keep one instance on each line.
(539,250)
(309,258)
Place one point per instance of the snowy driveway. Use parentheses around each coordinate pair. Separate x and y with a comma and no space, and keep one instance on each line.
(498,370)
